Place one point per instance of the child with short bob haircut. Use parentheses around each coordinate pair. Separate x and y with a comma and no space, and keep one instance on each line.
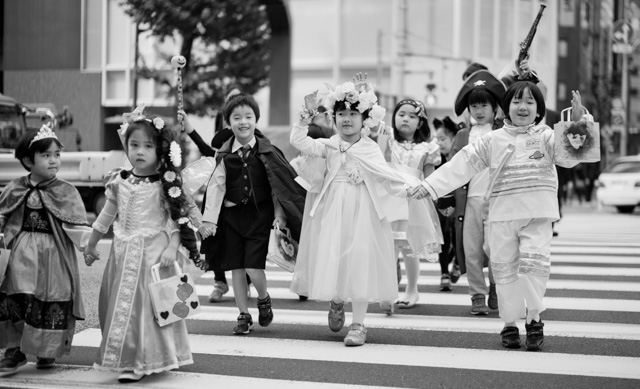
(522,192)
(151,219)
(252,189)
(40,297)
(480,95)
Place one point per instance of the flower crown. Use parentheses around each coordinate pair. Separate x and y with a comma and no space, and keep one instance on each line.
(44,133)
(361,94)
(137,115)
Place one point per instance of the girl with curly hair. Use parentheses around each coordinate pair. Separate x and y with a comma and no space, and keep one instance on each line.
(151,216)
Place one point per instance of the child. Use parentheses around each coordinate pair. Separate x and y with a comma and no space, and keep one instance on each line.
(446,130)
(40,297)
(479,95)
(522,190)
(346,249)
(252,188)
(411,150)
(151,221)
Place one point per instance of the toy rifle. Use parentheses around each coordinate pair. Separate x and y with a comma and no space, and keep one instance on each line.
(525,45)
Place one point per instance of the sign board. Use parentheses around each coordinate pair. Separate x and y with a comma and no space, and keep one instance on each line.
(622,48)
(617,119)
(622,32)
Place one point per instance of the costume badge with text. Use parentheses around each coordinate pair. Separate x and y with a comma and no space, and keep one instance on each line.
(533,145)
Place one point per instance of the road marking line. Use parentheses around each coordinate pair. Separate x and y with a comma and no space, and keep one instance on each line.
(74,376)
(582,304)
(399,355)
(403,321)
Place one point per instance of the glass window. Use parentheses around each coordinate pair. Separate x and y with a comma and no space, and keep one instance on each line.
(118,28)
(467,28)
(486,30)
(563,48)
(116,85)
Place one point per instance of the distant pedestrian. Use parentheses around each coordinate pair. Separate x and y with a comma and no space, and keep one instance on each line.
(40,297)
(152,220)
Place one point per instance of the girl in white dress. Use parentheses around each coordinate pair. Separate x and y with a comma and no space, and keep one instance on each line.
(346,246)
(408,146)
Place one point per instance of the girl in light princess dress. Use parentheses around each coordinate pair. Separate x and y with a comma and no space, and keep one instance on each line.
(346,251)
(152,219)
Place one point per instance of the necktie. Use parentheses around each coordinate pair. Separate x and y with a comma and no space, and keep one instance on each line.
(245,151)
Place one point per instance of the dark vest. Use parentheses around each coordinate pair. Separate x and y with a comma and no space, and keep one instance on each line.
(247,181)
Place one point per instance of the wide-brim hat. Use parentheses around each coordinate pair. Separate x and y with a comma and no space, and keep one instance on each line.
(480,79)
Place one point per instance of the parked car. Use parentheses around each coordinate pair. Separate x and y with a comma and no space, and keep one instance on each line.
(619,184)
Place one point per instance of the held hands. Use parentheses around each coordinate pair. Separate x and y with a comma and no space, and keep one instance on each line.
(90,254)
(182,115)
(447,211)
(207,229)
(417,192)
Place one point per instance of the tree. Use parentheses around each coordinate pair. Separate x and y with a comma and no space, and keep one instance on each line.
(225,43)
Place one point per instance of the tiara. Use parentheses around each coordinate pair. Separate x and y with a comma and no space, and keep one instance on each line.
(137,115)
(44,133)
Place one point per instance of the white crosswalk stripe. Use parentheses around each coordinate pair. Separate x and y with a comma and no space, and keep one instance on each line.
(592,329)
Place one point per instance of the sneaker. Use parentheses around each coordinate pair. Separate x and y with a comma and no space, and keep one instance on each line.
(455,273)
(130,376)
(493,297)
(357,335)
(510,337)
(302,297)
(445,283)
(13,359)
(245,324)
(219,289)
(266,313)
(478,306)
(45,363)
(535,335)
(336,316)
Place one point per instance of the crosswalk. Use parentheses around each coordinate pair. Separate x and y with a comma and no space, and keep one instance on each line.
(592,329)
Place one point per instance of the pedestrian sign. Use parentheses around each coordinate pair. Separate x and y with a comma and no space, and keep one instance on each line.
(622,32)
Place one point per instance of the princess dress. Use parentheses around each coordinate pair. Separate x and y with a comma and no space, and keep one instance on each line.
(131,339)
(40,297)
(346,246)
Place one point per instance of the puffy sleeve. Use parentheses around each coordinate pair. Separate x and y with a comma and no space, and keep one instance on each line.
(110,210)
(300,140)
(432,154)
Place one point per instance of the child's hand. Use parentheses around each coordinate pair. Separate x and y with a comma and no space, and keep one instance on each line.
(360,80)
(280,222)
(576,106)
(182,115)
(168,256)
(447,211)
(207,229)
(90,254)
(523,69)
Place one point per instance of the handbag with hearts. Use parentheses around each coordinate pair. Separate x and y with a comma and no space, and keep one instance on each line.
(283,250)
(173,298)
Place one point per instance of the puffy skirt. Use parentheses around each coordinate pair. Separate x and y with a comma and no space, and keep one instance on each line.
(36,307)
(346,251)
(131,338)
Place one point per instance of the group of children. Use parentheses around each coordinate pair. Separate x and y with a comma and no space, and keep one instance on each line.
(372,201)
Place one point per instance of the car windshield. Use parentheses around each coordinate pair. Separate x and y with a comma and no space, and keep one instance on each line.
(624,167)
(11,127)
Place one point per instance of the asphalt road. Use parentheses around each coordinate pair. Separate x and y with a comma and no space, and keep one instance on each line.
(591,326)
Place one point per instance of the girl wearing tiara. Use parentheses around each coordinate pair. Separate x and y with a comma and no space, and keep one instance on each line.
(346,245)
(151,222)
(409,147)
(40,297)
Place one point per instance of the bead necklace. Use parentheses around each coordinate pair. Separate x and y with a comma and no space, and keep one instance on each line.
(343,150)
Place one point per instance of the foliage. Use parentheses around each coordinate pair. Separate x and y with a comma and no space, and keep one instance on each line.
(225,43)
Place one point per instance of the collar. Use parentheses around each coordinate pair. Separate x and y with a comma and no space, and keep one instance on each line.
(237,145)
(530,129)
